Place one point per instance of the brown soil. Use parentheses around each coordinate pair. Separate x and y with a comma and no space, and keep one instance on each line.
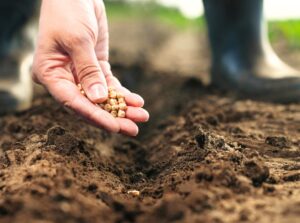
(204,157)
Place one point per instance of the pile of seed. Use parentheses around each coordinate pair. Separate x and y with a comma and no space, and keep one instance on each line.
(115,104)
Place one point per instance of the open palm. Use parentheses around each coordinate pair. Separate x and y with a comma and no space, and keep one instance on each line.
(72,48)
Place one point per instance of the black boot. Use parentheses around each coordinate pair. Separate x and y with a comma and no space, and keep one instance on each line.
(17,31)
(242,58)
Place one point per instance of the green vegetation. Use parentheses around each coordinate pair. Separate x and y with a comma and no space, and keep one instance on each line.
(169,16)
(288,31)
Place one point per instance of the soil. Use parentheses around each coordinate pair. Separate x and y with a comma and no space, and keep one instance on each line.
(205,156)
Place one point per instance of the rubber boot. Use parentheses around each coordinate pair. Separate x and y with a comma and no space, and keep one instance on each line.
(242,57)
(17,32)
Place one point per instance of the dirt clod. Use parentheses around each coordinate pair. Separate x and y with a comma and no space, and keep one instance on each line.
(256,171)
(279,142)
(295,176)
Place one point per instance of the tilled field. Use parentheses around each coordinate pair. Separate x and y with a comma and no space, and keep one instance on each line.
(205,156)
(212,158)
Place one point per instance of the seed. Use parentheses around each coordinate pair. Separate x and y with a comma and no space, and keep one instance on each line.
(114,114)
(113,101)
(121,100)
(115,104)
(114,107)
(135,193)
(107,107)
(121,114)
(120,95)
(113,94)
(81,89)
(123,106)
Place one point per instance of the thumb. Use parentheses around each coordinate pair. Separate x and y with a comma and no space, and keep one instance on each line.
(89,73)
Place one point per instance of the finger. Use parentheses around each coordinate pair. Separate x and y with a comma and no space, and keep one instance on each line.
(131,99)
(89,72)
(137,114)
(68,94)
(134,99)
(128,127)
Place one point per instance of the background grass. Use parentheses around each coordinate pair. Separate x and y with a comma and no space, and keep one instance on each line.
(151,11)
(288,31)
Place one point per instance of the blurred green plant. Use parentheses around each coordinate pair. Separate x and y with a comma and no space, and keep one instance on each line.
(288,31)
(150,10)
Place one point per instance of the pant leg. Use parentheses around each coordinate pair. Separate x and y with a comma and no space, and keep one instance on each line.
(14,15)
(236,26)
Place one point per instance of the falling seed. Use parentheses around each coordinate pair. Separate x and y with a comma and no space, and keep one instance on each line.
(134,193)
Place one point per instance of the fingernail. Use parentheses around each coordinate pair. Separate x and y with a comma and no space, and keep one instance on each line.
(98,93)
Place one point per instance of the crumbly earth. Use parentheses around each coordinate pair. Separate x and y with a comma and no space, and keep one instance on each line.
(205,156)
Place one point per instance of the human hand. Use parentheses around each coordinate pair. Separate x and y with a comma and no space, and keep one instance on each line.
(72,48)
